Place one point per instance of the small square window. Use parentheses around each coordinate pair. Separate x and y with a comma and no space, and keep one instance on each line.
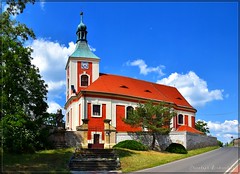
(96,110)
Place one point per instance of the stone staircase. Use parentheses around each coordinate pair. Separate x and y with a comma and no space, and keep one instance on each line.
(95,160)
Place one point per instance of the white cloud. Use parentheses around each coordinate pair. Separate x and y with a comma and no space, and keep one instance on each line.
(92,48)
(224,131)
(193,88)
(56,85)
(53,107)
(228,126)
(51,57)
(42,4)
(144,69)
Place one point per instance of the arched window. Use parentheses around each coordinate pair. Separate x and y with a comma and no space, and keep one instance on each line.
(180,119)
(84,80)
(129,110)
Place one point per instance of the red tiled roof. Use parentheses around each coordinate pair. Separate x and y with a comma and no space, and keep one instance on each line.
(114,84)
(189,129)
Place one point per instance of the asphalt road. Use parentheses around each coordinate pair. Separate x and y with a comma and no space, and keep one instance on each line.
(219,161)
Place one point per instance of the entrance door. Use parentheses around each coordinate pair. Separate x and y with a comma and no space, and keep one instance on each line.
(96,138)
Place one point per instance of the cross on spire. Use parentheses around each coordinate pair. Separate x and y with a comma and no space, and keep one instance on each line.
(81,14)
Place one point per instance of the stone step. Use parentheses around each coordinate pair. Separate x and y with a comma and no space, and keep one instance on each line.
(113,156)
(96,151)
(93,167)
(94,163)
(94,160)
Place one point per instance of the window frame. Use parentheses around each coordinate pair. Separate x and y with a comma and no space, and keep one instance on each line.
(126,115)
(100,110)
(88,79)
(179,119)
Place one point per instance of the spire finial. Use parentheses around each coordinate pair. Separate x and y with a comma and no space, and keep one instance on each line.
(81,14)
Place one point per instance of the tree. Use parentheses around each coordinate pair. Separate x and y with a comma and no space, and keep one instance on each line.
(202,126)
(154,118)
(24,93)
(220,143)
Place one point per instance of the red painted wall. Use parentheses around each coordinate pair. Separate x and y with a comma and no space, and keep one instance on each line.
(177,125)
(96,124)
(80,71)
(193,121)
(186,120)
(120,125)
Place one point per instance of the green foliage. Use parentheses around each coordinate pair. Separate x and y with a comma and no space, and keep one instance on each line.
(220,143)
(153,117)
(46,161)
(131,144)
(16,7)
(23,92)
(202,126)
(176,148)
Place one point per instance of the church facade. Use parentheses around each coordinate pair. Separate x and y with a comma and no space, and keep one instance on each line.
(96,103)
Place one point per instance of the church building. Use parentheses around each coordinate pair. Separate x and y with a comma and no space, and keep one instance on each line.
(96,103)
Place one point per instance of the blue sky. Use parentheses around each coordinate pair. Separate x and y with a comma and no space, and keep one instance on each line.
(192,46)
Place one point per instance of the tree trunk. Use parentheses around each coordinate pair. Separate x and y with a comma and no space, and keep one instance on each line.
(153,141)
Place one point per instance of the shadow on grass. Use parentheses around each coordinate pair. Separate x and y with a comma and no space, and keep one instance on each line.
(123,152)
(48,161)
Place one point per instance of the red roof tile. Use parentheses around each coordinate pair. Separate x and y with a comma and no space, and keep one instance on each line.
(114,84)
(189,129)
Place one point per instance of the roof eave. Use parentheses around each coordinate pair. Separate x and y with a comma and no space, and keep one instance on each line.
(139,98)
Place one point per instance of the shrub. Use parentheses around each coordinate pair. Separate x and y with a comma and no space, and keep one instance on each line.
(220,143)
(131,144)
(176,148)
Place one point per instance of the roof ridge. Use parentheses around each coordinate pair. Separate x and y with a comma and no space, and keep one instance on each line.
(113,83)
(136,79)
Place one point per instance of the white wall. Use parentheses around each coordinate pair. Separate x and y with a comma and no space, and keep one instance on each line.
(110,110)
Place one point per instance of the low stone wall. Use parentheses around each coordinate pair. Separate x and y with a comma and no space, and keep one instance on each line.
(187,139)
(191,140)
(62,138)
(162,141)
(73,138)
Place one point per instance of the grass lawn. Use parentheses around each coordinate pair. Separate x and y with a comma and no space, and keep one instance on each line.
(56,161)
(49,161)
(136,160)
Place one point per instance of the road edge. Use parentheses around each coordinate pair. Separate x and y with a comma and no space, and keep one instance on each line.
(231,168)
(175,161)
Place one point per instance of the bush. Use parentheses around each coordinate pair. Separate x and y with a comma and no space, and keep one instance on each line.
(176,148)
(220,143)
(131,144)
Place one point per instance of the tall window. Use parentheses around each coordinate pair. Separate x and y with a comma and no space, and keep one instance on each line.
(84,80)
(96,110)
(129,111)
(180,119)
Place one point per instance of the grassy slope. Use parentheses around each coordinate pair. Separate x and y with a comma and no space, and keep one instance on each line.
(50,161)
(56,161)
(137,160)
